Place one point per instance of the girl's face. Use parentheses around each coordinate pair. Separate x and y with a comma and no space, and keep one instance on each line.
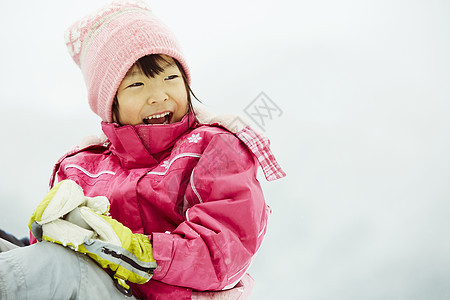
(152,100)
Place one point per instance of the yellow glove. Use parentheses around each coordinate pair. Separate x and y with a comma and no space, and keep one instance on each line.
(62,199)
(87,230)
(114,246)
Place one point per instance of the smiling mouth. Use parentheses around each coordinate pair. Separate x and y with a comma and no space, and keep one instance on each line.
(163,118)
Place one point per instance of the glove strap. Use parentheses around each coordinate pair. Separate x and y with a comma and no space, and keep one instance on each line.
(122,287)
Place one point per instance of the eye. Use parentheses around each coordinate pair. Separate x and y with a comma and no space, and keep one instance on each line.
(135,84)
(170,77)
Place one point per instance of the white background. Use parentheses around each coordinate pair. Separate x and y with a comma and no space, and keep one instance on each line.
(364,134)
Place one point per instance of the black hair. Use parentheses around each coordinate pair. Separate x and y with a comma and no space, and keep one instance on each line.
(150,65)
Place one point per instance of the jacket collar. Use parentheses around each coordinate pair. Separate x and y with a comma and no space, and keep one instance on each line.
(144,145)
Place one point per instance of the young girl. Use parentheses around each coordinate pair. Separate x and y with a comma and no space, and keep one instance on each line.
(169,194)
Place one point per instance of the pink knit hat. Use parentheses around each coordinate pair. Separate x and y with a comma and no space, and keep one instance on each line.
(108,42)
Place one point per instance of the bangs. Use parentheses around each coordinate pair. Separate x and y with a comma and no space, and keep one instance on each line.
(151,65)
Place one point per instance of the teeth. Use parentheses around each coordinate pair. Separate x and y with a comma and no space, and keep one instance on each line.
(158,116)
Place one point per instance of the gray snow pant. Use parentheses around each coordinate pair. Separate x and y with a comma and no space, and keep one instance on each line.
(49,271)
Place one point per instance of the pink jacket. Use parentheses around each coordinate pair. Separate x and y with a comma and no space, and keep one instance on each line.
(191,188)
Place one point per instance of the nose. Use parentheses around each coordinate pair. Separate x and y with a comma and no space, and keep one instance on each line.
(156,95)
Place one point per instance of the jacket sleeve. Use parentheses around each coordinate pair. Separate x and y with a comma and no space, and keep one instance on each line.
(223,229)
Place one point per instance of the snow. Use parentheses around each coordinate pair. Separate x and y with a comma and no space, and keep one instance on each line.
(364,90)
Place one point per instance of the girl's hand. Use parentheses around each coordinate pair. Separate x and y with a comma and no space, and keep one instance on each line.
(115,246)
(67,217)
(62,199)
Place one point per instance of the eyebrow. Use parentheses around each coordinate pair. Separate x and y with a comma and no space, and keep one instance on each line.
(168,64)
(132,74)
